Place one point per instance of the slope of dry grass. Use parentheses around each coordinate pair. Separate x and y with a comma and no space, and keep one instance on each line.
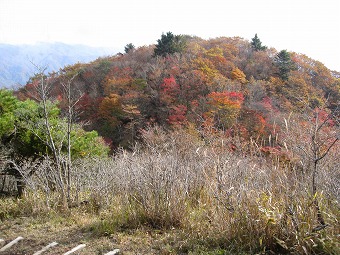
(179,195)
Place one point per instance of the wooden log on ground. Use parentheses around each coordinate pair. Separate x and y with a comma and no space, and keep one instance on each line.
(46,248)
(114,252)
(10,244)
(81,246)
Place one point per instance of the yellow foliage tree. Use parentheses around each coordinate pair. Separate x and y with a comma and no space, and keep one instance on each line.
(237,74)
(206,67)
(110,109)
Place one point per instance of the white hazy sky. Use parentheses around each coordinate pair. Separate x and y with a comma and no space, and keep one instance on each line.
(311,27)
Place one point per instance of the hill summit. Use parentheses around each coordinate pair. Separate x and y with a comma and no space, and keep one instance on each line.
(226,83)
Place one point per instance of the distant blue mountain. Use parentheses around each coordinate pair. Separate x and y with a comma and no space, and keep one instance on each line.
(16,60)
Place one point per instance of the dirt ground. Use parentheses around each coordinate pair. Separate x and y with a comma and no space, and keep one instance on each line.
(38,233)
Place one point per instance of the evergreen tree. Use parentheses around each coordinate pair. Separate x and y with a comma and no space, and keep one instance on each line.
(284,64)
(256,44)
(169,44)
(129,48)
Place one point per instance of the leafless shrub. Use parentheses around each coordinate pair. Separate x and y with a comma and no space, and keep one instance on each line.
(177,180)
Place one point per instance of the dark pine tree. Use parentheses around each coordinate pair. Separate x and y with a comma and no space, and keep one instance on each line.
(129,48)
(256,44)
(284,64)
(169,44)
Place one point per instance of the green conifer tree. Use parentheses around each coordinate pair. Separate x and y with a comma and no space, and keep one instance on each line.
(169,44)
(129,48)
(284,64)
(256,44)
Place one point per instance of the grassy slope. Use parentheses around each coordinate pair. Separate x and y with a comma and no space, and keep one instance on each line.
(190,201)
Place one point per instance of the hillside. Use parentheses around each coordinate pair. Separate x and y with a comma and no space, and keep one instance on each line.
(16,60)
(223,83)
(188,146)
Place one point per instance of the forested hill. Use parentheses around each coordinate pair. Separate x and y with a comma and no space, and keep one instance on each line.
(17,61)
(224,145)
(230,84)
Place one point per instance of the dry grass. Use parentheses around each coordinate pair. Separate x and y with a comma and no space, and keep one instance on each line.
(175,194)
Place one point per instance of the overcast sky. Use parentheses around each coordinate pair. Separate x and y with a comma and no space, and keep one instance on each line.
(311,27)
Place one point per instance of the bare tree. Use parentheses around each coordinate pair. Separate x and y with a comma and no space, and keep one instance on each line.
(62,162)
(321,143)
(72,101)
(310,141)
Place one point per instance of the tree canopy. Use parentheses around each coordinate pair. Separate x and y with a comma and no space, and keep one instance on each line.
(129,48)
(123,94)
(22,128)
(284,64)
(256,44)
(169,44)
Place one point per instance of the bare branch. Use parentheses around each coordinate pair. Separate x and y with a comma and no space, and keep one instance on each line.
(329,148)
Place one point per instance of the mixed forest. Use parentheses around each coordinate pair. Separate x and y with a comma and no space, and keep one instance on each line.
(215,138)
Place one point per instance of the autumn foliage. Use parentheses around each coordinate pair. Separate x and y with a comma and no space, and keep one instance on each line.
(218,142)
(224,83)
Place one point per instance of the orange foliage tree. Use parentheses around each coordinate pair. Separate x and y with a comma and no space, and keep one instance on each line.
(225,107)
